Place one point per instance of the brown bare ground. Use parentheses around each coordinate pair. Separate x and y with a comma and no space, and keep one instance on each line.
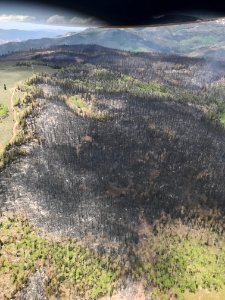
(133,292)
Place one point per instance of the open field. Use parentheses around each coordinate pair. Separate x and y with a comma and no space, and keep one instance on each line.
(12,76)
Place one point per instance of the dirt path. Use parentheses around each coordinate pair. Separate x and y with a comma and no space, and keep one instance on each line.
(14,116)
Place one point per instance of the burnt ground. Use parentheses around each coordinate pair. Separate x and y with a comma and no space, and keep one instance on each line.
(96,180)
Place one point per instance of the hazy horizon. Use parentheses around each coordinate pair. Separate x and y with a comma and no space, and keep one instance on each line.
(28,26)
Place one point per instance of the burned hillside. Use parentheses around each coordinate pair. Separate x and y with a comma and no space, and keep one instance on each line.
(149,152)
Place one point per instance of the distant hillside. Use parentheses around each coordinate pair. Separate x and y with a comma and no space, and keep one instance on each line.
(15,35)
(196,39)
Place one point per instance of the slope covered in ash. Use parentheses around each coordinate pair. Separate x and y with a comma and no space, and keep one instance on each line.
(153,158)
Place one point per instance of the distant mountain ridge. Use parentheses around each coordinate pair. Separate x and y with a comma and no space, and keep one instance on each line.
(196,39)
(16,35)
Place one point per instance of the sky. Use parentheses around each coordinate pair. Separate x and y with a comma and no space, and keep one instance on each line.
(14,15)
(33,17)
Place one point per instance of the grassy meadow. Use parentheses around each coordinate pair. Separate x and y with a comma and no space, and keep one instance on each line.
(12,75)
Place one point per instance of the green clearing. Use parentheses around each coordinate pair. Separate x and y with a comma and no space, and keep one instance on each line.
(81,107)
(12,75)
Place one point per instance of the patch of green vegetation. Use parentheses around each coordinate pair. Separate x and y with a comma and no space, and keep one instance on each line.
(186,264)
(222,117)
(171,267)
(24,249)
(102,72)
(83,108)
(114,83)
(3,111)
(146,89)
(125,77)
(216,115)
(77,102)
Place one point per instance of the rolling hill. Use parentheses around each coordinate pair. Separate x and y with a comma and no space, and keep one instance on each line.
(196,39)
